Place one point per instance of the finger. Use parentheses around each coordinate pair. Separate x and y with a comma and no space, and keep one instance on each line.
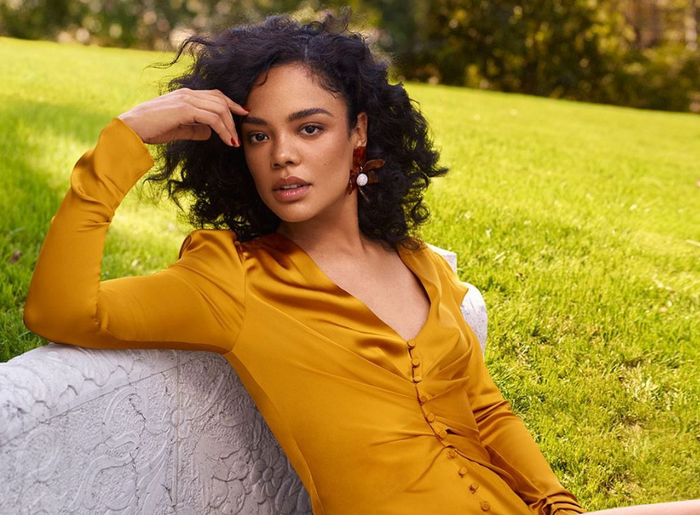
(212,119)
(238,108)
(193,131)
(215,94)
(216,105)
(218,109)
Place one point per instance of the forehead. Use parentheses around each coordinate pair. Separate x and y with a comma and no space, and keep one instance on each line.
(290,88)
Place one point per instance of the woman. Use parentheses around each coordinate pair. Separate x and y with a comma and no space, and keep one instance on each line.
(345,330)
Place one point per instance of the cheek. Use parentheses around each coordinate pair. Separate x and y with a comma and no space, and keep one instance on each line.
(254,167)
(333,173)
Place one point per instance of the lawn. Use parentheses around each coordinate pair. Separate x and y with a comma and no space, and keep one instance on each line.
(580,224)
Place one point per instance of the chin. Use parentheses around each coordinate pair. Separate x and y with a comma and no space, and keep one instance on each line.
(292,213)
(304,209)
(291,219)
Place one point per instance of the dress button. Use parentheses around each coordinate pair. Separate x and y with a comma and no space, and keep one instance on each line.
(474,486)
(423,398)
(415,362)
(463,471)
(411,344)
(485,505)
(417,378)
(451,453)
(430,416)
(442,433)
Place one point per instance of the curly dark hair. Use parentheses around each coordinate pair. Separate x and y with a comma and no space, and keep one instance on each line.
(232,61)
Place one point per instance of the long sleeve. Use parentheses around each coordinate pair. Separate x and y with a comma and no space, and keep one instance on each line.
(194,304)
(507,440)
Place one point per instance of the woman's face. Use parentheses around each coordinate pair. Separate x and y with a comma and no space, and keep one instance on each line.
(297,128)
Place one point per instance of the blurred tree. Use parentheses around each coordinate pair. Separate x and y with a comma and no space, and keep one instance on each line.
(576,49)
(149,24)
(628,52)
(541,47)
(690,22)
(659,22)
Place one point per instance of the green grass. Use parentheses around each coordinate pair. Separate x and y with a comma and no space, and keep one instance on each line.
(578,222)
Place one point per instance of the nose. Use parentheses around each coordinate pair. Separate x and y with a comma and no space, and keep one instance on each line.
(283,153)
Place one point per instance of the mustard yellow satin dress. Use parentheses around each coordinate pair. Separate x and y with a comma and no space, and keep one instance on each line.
(373,424)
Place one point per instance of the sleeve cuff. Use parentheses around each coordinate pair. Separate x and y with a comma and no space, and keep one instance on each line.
(125,147)
(104,174)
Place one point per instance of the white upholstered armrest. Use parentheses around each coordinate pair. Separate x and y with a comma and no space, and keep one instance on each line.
(473,306)
(474,312)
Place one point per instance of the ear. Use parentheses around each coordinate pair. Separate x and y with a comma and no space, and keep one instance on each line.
(360,130)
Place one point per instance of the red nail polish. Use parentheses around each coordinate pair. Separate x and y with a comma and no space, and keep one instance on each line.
(246,108)
(233,142)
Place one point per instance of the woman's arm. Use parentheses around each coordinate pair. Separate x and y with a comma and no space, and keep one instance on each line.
(507,440)
(182,307)
(511,446)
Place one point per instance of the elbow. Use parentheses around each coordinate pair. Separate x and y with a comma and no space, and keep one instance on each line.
(55,324)
(35,310)
(36,320)
(31,317)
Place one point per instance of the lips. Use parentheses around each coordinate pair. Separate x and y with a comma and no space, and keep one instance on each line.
(290,180)
(292,194)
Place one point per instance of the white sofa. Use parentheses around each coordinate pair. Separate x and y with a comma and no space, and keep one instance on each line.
(99,431)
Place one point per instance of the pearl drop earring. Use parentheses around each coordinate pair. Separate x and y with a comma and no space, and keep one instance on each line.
(362,172)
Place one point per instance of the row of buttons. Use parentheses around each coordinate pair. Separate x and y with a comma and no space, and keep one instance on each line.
(451,453)
(430,417)
(415,362)
(474,486)
(417,378)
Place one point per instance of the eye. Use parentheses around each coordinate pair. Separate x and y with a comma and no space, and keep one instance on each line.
(312,127)
(251,137)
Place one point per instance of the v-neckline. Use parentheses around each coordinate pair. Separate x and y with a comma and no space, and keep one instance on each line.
(427,286)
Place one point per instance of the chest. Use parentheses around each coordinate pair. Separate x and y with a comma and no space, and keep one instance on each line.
(391,291)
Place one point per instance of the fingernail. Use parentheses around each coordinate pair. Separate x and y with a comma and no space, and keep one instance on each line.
(246,108)
(233,142)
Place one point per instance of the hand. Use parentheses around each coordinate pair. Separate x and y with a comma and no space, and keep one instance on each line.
(185,114)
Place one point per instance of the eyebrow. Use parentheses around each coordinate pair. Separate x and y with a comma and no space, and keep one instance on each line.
(292,117)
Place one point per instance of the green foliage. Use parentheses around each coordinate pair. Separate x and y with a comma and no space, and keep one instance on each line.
(665,78)
(577,222)
(153,24)
(586,50)
(572,49)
